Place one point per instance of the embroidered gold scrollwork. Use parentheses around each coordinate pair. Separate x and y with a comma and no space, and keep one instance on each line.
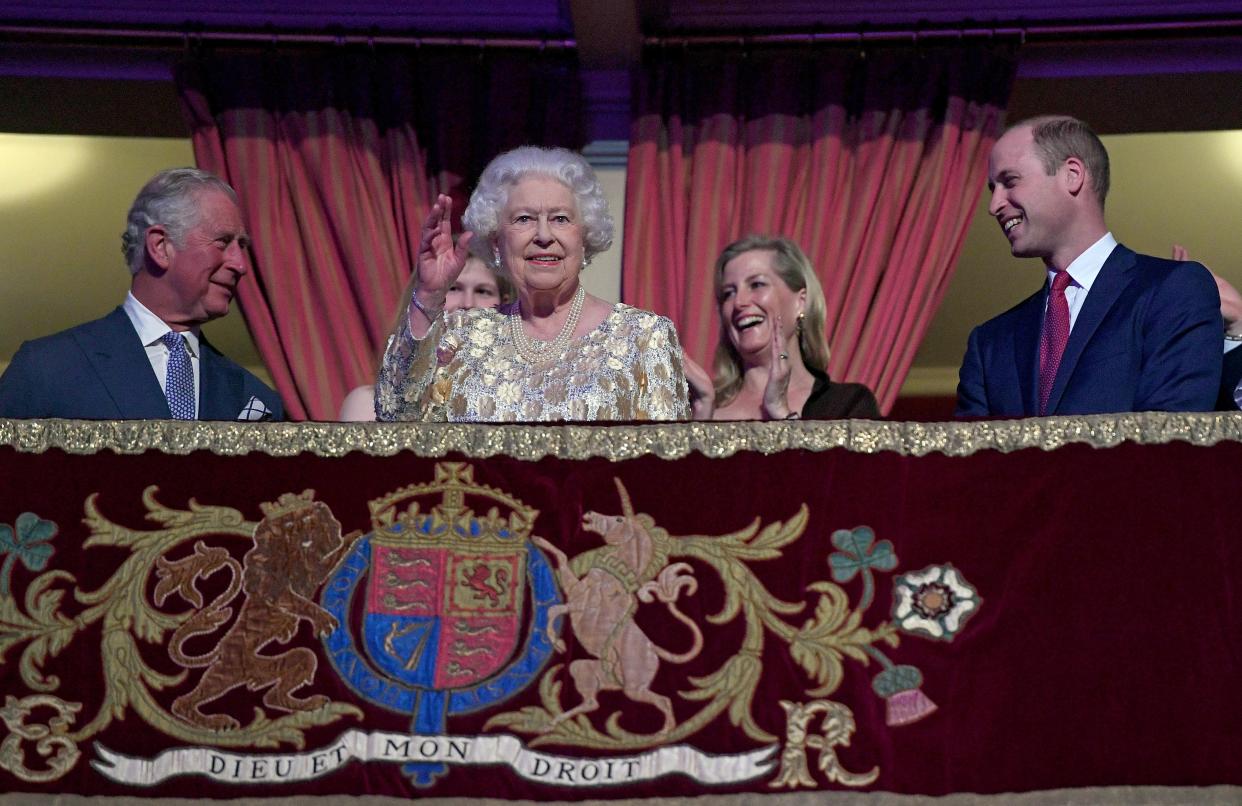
(819,646)
(128,620)
(634,562)
(635,552)
(837,726)
(51,741)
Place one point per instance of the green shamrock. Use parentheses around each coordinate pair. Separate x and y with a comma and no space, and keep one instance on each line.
(859,554)
(29,543)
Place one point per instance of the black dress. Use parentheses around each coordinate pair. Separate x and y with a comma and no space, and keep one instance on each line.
(839,401)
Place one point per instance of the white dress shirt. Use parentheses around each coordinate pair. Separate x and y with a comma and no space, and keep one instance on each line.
(1083,271)
(151,330)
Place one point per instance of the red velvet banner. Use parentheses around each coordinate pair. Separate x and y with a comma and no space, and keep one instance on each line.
(232,622)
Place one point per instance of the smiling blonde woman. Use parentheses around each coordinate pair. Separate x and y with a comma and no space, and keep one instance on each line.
(772,359)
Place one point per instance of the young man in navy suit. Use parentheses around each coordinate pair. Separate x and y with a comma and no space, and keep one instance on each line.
(185,242)
(1111,330)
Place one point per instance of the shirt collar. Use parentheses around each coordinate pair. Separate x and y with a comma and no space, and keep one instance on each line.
(1086,267)
(150,327)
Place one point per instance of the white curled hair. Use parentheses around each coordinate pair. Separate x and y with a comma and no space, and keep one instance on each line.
(482,216)
(168,200)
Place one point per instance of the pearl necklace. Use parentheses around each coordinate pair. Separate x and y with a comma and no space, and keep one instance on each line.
(527,346)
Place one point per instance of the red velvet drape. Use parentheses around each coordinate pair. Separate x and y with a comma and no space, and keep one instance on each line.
(872,161)
(336,157)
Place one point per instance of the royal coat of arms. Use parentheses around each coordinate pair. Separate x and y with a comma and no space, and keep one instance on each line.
(444,603)
(450,605)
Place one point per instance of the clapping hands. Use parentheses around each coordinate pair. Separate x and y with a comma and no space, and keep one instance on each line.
(775,405)
(776,392)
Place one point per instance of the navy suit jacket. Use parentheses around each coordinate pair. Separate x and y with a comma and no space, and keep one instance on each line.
(1147,338)
(100,371)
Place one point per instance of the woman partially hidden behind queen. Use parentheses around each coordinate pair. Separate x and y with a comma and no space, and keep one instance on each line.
(555,353)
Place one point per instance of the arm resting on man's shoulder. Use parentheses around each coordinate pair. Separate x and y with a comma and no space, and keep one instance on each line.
(1182,344)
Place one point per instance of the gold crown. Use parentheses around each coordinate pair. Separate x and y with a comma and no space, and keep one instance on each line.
(288,502)
(451,515)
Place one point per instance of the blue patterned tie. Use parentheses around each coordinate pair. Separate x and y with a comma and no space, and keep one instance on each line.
(179,384)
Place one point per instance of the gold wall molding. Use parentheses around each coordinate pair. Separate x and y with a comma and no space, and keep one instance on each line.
(930,382)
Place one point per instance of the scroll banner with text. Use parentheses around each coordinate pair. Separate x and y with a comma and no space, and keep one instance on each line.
(589,612)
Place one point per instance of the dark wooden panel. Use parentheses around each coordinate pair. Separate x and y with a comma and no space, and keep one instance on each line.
(1136,103)
(76,106)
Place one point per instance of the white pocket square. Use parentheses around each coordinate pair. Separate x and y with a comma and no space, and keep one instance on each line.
(255,410)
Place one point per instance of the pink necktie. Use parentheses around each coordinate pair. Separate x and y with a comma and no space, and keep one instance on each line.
(1056,333)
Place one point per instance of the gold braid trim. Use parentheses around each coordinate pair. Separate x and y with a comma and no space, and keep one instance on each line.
(615,442)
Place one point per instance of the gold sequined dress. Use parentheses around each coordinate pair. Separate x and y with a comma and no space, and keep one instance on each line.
(467,369)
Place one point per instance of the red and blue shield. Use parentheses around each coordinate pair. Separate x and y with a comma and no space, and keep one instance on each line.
(453,606)
(443,622)
(445,615)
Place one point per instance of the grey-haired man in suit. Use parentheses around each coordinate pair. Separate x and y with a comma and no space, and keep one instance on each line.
(186,246)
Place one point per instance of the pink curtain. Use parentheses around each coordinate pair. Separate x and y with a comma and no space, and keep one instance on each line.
(872,161)
(336,157)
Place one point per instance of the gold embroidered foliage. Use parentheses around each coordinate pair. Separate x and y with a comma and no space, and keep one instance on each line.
(834,632)
(47,630)
(127,619)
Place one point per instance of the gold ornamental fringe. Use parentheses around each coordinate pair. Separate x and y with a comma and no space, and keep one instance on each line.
(616,442)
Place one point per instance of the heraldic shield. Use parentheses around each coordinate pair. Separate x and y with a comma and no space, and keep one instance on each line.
(442,612)
(453,607)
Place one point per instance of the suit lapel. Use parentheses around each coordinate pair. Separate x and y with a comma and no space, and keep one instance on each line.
(118,357)
(1026,348)
(1113,278)
(220,387)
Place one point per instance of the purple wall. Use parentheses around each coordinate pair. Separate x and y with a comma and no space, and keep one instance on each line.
(744,14)
(553,17)
(469,17)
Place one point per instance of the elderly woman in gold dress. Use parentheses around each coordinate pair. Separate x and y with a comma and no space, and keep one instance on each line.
(478,286)
(555,353)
